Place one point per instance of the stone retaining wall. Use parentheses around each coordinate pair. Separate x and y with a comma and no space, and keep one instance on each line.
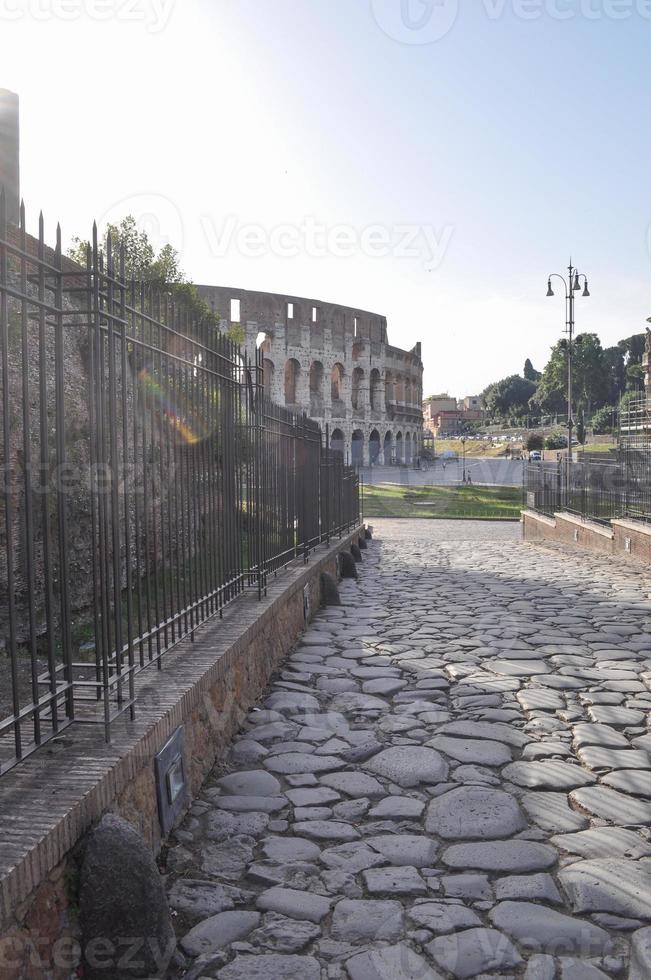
(630,540)
(48,804)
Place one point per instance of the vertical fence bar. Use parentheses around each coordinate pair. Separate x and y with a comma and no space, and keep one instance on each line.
(28,526)
(62,503)
(7,485)
(199,485)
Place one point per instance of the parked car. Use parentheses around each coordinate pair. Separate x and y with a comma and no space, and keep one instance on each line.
(535,456)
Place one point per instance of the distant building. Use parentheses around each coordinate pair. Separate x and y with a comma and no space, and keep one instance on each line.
(439,403)
(444,415)
(9,146)
(472,403)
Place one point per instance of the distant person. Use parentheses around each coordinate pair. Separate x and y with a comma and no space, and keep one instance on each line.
(469,480)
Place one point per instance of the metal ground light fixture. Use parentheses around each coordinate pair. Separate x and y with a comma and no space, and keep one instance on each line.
(572,284)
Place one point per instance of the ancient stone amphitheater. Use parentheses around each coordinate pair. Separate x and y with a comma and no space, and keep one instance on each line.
(334,363)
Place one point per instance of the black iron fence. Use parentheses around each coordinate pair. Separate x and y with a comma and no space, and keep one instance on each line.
(146,482)
(596,491)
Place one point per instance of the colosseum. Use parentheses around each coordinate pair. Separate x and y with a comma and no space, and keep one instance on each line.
(335,364)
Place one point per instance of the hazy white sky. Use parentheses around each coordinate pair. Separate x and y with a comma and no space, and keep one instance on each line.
(430,161)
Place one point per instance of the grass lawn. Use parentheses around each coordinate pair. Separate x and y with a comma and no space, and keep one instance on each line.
(479,503)
(597,447)
(476,447)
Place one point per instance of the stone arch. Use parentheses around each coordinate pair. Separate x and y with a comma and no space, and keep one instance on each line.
(388,448)
(398,447)
(374,447)
(337,383)
(408,448)
(356,389)
(357,448)
(337,442)
(375,391)
(268,371)
(292,374)
(316,388)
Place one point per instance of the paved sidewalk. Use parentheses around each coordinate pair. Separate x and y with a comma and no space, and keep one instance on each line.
(449,778)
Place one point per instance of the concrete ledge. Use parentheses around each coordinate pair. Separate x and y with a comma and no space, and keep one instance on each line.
(626,539)
(636,526)
(590,526)
(533,515)
(208,684)
(632,539)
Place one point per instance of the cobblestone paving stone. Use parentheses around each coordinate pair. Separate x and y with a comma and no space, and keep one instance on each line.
(447,778)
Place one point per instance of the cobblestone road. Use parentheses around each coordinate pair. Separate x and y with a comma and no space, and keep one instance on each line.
(449,777)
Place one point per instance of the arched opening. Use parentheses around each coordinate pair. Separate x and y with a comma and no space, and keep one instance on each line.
(389,395)
(399,447)
(358,350)
(407,391)
(268,369)
(292,372)
(416,447)
(357,448)
(356,389)
(265,342)
(374,447)
(388,449)
(337,441)
(316,388)
(376,383)
(337,383)
(408,448)
(399,389)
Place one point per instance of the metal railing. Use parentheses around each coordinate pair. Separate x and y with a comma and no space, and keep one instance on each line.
(595,491)
(147,482)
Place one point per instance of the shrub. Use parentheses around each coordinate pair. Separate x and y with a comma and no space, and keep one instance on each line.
(556,441)
(534,441)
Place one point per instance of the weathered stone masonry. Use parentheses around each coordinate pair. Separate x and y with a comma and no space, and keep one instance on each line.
(334,363)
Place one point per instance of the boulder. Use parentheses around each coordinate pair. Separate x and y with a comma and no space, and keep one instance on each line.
(125,919)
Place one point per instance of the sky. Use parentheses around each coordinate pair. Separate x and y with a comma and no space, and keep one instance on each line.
(429,160)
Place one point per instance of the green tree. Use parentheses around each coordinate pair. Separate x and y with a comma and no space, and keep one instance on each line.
(634,377)
(534,441)
(530,372)
(142,263)
(509,396)
(633,348)
(604,420)
(615,371)
(590,386)
(550,396)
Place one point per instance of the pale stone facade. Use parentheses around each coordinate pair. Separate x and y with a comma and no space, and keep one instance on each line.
(334,363)
(9,141)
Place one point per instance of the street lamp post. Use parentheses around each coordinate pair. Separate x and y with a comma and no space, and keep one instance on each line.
(572,285)
(463,445)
